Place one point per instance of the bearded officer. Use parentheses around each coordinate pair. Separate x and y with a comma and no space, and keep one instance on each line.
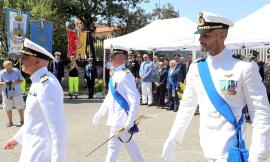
(238,83)
(121,115)
(43,136)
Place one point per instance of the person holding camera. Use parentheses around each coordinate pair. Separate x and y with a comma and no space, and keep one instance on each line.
(10,79)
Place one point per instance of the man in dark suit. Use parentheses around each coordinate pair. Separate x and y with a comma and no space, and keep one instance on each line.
(90,75)
(173,86)
(189,60)
(57,67)
(255,55)
(182,67)
(162,74)
(133,65)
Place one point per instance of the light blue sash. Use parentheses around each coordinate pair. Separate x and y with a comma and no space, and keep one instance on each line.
(238,151)
(171,82)
(123,103)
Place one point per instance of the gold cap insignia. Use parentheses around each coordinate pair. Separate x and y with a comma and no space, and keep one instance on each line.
(201,19)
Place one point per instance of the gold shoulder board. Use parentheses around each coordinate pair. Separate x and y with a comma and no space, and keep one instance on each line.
(44,78)
(126,70)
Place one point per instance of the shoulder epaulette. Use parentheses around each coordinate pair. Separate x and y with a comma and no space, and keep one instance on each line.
(247,58)
(200,59)
(126,70)
(44,78)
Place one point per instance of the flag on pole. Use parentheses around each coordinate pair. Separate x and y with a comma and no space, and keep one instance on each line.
(41,33)
(72,48)
(17,29)
(82,44)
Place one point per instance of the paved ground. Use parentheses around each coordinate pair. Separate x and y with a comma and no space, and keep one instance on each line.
(83,136)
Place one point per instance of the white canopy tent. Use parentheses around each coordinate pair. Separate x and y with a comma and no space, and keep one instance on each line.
(253,31)
(161,35)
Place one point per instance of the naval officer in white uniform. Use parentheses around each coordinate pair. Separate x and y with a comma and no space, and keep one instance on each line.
(43,136)
(238,82)
(124,83)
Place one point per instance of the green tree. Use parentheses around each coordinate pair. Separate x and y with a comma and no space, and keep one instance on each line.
(166,12)
(133,21)
(90,12)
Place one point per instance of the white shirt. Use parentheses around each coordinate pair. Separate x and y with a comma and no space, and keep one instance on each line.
(43,136)
(126,86)
(216,133)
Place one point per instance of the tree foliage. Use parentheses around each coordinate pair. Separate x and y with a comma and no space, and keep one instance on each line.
(166,12)
(89,12)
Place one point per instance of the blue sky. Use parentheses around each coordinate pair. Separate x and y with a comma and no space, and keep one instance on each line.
(231,9)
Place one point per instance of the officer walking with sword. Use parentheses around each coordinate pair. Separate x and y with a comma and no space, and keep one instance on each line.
(121,103)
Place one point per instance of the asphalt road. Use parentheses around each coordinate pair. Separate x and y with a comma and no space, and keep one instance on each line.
(83,135)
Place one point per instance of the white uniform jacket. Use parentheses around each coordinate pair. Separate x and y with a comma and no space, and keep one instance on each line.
(124,82)
(43,136)
(216,133)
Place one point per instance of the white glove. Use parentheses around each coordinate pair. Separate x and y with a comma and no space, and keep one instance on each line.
(95,119)
(168,148)
(128,125)
(63,79)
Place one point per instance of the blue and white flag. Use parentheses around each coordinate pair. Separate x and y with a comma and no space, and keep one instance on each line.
(17,29)
(41,33)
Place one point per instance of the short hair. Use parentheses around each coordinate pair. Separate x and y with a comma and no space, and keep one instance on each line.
(145,55)
(7,63)
(178,55)
(174,62)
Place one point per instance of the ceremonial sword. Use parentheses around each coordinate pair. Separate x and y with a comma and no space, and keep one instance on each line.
(137,122)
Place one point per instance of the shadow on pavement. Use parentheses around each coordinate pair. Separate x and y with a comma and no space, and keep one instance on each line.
(82,100)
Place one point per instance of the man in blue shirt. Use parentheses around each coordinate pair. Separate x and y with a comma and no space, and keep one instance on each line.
(10,79)
(146,75)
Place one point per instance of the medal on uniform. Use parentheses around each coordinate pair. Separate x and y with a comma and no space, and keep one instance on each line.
(223,86)
(232,84)
(228,87)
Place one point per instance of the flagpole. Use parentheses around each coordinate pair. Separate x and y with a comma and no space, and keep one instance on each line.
(104,64)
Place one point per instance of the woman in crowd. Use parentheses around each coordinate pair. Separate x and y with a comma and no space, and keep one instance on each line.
(161,85)
(73,80)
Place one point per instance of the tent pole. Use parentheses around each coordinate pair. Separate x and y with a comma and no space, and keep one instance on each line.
(193,53)
(243,51)
(104,64)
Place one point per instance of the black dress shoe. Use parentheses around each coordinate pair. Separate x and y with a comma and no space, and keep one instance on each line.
(143,103)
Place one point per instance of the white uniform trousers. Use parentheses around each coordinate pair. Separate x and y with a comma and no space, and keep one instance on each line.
(147,93)
(115,144)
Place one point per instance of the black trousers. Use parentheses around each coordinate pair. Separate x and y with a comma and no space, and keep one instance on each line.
(173,101)
(160,95)
(107,78)
(91,87)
